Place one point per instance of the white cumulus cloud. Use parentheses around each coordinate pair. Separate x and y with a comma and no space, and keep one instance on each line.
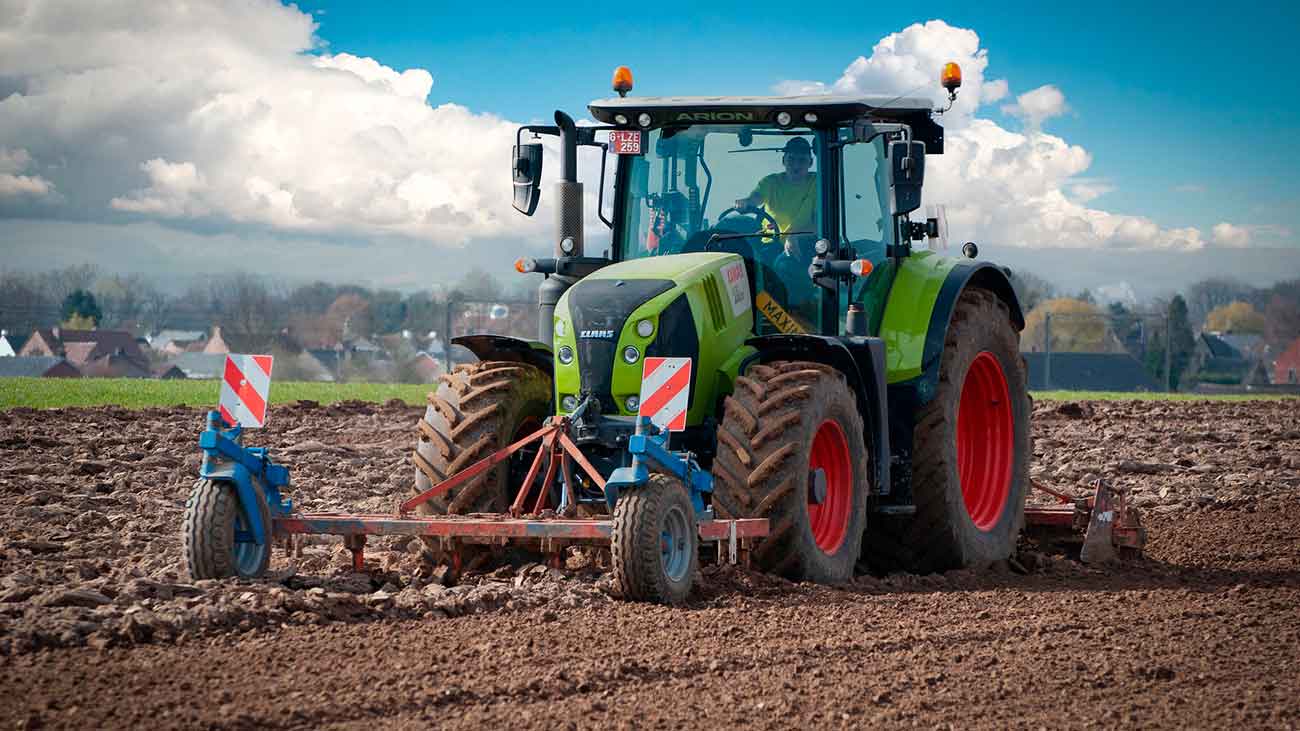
(999,185)
(220,112)
(12,184)
(1226,234)
(1038,106)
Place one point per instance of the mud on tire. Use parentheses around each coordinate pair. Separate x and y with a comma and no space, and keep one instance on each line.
(763,469)
(478,409)
(943,533)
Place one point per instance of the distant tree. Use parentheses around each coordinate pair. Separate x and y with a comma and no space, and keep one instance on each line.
(1031,289)
(59,283)
(1235,317)
(1281,321)
(24,305)
(1207,294)
(80,311)
(477,284)
(389,311)
(1183,342)
(244,304)
(349,317)
(1128,329)
(1076,326)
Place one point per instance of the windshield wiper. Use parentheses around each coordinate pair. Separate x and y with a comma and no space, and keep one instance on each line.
(764,234)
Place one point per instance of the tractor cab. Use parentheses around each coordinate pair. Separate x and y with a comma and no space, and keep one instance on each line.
(767,178)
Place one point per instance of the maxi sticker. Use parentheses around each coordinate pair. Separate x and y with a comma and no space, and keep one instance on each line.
(733,275)
(776,314)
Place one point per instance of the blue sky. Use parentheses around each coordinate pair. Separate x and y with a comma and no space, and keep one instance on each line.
(1187,110)
(1165,154)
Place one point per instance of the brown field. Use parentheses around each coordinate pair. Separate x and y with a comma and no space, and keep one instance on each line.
(99,628)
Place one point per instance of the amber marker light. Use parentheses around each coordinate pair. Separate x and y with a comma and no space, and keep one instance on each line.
(525,264)
(951,76)
(860,267)
(622,80)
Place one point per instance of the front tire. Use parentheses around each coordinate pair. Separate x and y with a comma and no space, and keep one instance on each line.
(478,409)
(791,449)
(655,542)
(213,515)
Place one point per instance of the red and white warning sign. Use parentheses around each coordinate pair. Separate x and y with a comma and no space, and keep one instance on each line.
(245,390)
(666,392)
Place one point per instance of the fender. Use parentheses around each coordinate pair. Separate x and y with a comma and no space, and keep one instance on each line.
(921,300)
(504,347)
(862,361)
(920,308)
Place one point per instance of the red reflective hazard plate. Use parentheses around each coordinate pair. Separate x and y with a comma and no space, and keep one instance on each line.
(625,141)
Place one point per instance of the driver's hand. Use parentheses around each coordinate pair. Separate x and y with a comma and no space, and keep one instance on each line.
(790,248)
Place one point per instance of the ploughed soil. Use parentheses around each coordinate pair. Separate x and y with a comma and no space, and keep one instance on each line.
(99,627)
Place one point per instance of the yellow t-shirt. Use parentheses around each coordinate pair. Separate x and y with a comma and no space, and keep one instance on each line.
(793,205)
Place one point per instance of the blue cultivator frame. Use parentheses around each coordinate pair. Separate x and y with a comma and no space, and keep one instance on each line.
(225,458)
(651,442)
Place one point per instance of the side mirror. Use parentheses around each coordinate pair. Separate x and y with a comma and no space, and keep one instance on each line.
(906,173)
(527,174)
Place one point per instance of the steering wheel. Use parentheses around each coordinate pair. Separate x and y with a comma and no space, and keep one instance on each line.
(759,213)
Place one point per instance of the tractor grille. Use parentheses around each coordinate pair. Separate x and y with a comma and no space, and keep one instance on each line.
(598,307)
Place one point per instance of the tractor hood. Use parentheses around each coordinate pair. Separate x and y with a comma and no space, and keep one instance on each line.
(684,298)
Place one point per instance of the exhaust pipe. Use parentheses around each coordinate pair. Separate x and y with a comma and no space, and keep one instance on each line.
(568,226)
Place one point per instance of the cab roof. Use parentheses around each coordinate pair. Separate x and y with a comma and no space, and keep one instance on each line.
(831,110)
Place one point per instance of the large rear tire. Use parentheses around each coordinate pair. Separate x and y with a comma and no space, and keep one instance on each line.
(791,449)
(478,409)
(213,516)
(972,449)
(655,542)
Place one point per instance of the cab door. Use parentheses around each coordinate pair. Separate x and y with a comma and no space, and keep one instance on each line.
(864,225)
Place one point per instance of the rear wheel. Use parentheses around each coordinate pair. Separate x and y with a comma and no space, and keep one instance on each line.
(972,450)
(478,409)
(655,542)
(791,449)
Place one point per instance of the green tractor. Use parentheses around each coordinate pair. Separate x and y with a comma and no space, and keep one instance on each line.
(865,396)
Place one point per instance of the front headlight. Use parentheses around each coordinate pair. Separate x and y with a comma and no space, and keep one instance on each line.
(565,355)
(561,328)
(631,355)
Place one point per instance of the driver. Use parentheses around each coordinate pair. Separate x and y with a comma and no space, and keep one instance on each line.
(790,196)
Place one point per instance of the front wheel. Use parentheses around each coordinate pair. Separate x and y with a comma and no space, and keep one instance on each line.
(655,542)
(791,449)
(217,532)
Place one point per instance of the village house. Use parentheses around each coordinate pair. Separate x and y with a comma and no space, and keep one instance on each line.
(1286,369)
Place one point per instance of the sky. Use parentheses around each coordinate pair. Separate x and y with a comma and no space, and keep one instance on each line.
(1127,142)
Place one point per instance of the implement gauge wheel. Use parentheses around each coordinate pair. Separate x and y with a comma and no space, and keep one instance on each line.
(972,450)
(218,535)
(791,449)
(655,542)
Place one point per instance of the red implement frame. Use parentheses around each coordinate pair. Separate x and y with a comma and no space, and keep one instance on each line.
(547,531)
(1109,526)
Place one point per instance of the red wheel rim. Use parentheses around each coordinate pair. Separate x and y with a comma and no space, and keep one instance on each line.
(830,454)
(985,441)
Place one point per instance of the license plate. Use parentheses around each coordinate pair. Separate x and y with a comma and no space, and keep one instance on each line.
(625,141)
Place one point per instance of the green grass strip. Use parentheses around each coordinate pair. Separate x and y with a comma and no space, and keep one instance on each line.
(132,393)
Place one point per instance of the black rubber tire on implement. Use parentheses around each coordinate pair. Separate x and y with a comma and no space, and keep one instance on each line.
(763,463)
(478,409)
(212,514)
(942,534)
(655,542)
